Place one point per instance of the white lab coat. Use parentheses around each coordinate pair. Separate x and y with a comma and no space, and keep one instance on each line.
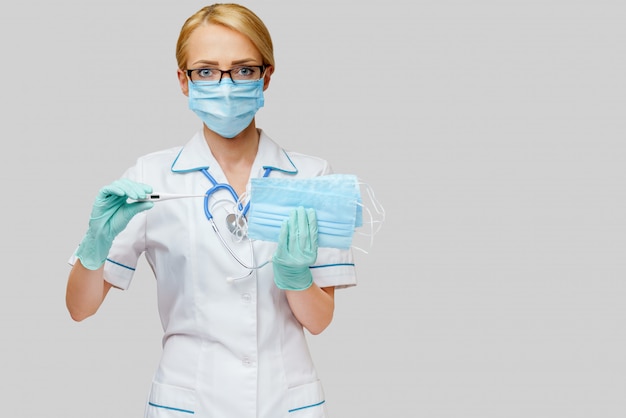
(230,350)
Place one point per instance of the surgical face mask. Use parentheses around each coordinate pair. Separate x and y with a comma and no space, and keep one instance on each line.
(335,197)
(226,108)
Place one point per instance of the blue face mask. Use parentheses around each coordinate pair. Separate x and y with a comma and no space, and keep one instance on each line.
(224,107)
(336,199)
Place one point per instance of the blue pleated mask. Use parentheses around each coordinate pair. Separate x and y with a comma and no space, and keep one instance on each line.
(336,199)
(226,108)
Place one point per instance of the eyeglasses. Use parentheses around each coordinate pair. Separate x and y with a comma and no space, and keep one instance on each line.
(240,73)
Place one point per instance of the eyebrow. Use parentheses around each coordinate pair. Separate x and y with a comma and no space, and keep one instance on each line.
(237,62)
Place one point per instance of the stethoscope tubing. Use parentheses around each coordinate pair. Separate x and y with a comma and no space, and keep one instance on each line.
(244,210)
(220,186)
(230,250)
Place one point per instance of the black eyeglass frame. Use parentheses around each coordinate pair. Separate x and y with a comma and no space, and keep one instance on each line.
(261,67)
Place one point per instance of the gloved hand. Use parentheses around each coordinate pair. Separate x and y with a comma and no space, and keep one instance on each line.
(297,250)
(109,216)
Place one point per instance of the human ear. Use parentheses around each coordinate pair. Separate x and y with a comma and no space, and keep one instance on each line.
(268,75)
(182,81)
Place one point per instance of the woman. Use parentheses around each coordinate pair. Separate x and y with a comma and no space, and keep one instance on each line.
(233,344)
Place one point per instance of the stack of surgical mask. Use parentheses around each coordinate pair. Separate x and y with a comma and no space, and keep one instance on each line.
(336,199)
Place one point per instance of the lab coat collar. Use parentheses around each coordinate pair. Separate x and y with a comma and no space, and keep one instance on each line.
(196,155)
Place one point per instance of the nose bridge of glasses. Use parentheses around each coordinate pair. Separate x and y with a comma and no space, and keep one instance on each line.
(222,72)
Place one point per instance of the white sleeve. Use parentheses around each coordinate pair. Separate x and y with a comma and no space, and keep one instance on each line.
(334,267)
(127,247)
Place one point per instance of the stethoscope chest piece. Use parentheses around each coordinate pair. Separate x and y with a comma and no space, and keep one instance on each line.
(236,225)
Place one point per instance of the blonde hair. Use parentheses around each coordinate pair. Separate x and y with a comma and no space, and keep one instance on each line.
(233,16)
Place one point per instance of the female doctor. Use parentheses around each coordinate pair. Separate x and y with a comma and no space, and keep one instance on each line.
(233,344)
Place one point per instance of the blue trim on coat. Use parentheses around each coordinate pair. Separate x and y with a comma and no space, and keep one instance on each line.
(206,167)
(186,411)
(294,171)
(189,170)
(305,407)
(120,264)
(332,265)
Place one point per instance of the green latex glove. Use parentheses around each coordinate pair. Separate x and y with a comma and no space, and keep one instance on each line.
(109,216)
(297,250)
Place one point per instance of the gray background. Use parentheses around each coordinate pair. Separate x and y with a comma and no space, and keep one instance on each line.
(491,131)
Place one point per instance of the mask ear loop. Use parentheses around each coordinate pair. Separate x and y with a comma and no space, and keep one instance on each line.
(240,230)
(375,218)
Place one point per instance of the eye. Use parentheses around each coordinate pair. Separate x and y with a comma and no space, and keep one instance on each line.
(206,73)
(246,71)
(243,73)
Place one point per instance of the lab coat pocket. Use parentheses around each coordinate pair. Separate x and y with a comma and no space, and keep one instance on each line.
(167,401)
(306,401)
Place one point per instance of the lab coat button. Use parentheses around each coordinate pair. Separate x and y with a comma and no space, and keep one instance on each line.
(246,298)
(246,362)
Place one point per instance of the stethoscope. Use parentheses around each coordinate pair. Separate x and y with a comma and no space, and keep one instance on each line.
(234,222)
